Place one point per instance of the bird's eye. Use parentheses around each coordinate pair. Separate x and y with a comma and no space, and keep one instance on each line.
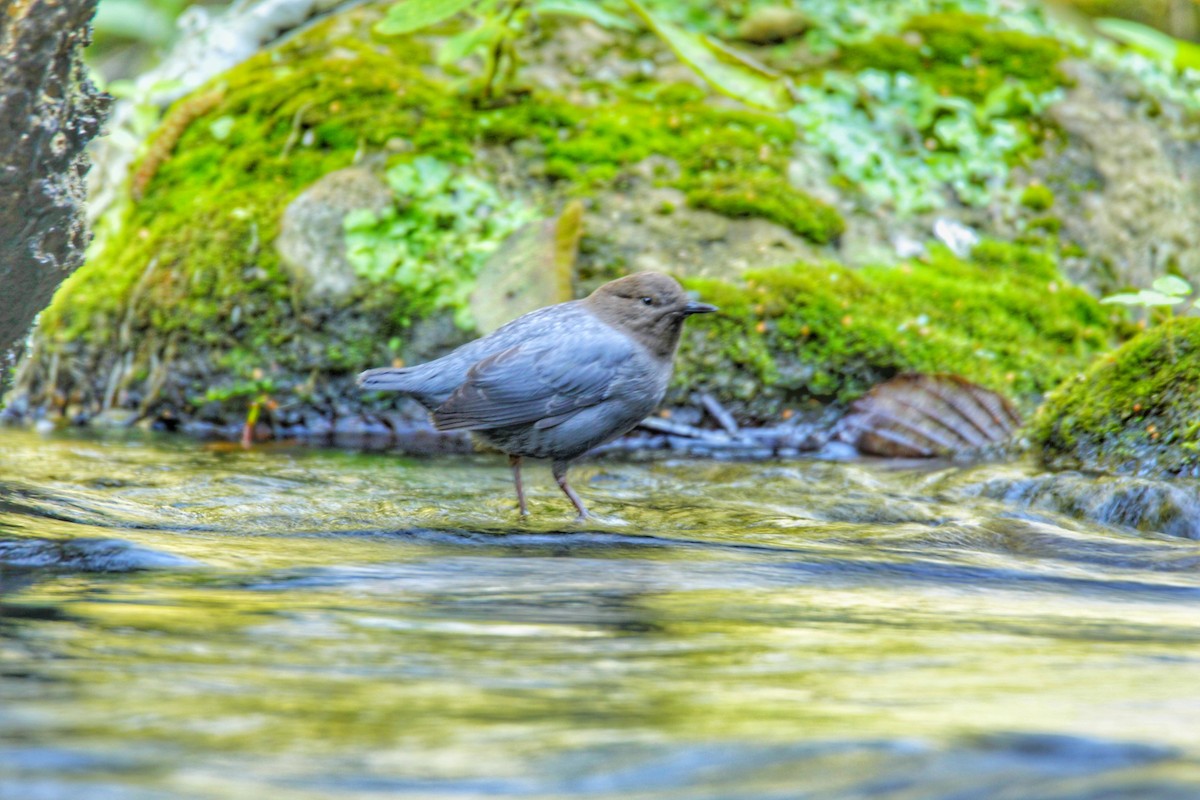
(647,301)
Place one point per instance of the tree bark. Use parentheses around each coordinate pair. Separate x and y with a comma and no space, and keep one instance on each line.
(49,111)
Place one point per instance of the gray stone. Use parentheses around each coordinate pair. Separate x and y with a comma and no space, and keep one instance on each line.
(651,228)
(311,243)
(1133,186)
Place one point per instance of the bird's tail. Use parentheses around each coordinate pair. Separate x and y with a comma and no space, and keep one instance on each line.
(387,379)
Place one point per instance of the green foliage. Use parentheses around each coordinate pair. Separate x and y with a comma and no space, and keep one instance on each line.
(1136,410)
(902,142)
(1004,318)
(252,387)
(432,243)
(948,101)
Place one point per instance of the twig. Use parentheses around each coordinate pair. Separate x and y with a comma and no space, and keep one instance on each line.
(720,414)
(659,425)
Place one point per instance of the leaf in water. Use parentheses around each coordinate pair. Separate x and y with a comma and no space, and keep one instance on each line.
(585,9)
(412,15)
(733,79)
(1172,285)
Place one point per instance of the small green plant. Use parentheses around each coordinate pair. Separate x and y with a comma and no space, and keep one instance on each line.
(1166,292)
(500,23)
(902,142)
(258,389)
(434,239)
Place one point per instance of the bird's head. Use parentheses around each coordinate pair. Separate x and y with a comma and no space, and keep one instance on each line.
(650,306)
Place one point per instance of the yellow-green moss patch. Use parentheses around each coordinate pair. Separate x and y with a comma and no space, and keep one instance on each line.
(967,55)
(1003,318)
(1135,411)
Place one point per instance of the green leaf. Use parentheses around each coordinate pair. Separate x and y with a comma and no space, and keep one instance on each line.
(1154,43)
(737,58)
(462,45)
(585,9)
(1172,285)
(735,80)
(413,15)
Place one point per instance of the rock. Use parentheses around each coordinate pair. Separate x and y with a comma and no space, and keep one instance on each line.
(311,243)
(1170,507)
(772,24)
(1134,412)
(921,416)
(531,269)
(651,228)
(1131,186)
(86,555)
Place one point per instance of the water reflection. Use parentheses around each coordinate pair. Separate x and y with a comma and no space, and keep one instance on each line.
(187,622)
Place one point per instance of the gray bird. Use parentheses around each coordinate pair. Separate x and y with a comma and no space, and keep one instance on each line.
(558,381)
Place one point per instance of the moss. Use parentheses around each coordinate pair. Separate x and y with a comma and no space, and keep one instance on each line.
(1004,319)
(1135,411)
(1051,226)
(1037,197)
(771,198)
(967,55)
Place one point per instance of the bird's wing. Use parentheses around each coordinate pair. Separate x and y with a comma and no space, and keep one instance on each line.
(533,383)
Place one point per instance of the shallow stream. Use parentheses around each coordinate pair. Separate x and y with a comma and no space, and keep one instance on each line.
(188,621)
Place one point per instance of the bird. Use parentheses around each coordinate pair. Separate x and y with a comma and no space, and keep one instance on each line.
(558,381)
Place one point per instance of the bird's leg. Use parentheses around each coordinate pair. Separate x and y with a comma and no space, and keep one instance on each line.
(560,475)
(515,463)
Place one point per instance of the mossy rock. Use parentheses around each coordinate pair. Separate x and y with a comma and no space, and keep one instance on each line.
(187,311)
(1003,318)
(1136,411)
(189,305)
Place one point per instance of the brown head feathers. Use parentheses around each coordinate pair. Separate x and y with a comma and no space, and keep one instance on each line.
(649,306)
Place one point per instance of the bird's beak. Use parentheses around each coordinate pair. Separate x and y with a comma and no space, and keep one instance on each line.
(694,307)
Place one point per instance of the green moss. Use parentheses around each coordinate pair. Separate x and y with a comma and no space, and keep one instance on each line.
(1004,319)
(1037,197)
(771,198)
(1136,410)
(725,160)
(967,55)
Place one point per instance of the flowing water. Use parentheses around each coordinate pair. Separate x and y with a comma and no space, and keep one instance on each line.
(186,621)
